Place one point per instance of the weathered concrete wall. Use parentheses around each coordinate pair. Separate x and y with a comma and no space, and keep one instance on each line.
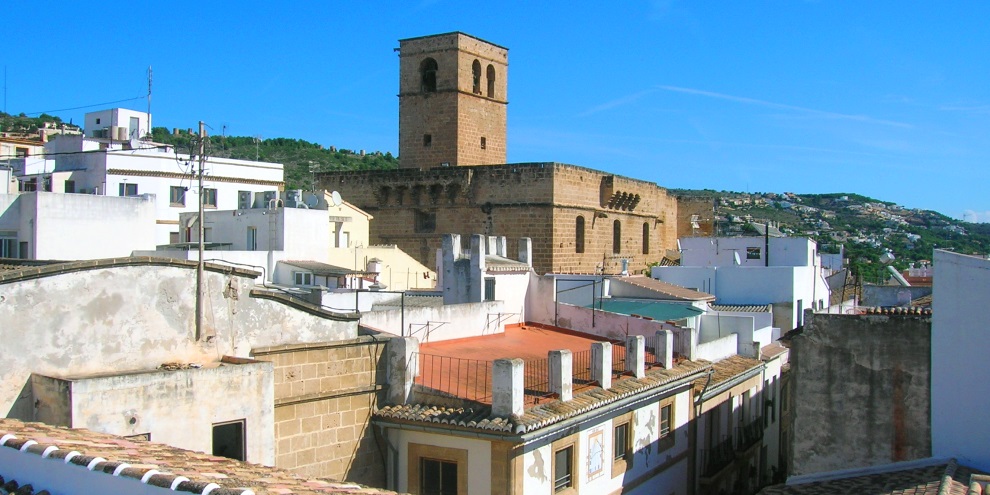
(450,321)
(137,316)
(175,407)
(324,396)
(861,391)
(887,295)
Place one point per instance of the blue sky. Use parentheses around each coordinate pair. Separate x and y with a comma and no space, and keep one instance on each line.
(889,99)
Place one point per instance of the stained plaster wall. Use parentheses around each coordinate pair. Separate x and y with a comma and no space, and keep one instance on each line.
(178,408)
(654,463)
(136,317)
(609,325)
(450,321)
(45,220)
(861,389)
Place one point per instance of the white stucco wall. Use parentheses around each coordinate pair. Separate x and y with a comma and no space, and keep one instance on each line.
(609,325)
(960,340)
(742,285)
(118,117)
(717,349)
(719,251)
(178,408)
(645,422)
(108,320)
(97,226)
(154,171)
(439,323)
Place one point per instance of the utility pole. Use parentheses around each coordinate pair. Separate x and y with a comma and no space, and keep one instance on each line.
(199,264)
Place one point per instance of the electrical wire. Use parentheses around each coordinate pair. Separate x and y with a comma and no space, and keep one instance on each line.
(86,106)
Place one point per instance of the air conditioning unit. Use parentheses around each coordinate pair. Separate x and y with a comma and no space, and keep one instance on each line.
(244,200)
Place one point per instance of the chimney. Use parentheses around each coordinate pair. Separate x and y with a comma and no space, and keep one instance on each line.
(561,374)
(526,251)
(665,348)
(601,364)
(635,355)
(403,367)
(507,387)
(476,277)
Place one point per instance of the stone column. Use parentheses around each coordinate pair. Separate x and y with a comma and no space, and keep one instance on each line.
(507,387)
(561,374)
(665,348)
(635,355)
(601,364)
(403,366)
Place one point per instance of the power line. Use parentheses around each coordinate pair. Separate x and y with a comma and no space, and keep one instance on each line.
(87,106)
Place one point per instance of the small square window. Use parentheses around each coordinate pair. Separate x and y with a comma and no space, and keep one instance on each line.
(210,198)
(228,440)
(427,140)
(484,143)
(303,278)
(177,196)
(438,477)
(126,189)
(752,253)
(97,121)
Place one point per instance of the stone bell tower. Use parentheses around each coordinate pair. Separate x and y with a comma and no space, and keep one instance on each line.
(452,101)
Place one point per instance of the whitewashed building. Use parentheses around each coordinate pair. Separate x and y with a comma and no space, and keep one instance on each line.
(961,287)
(52,226)
(101,163)
(783,271)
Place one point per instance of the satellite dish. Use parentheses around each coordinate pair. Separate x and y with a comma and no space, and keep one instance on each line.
(735,258)
(312,200)
(335,198)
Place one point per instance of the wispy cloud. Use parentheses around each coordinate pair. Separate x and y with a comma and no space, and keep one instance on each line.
(625,100)
(770,104)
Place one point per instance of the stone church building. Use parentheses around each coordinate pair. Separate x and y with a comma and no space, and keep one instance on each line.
(453,177)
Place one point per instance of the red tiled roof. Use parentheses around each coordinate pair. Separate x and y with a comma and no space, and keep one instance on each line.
(665,289)
(944,478)
(157,464)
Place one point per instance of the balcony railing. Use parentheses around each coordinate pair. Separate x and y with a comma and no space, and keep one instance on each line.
(464,378)
(749,434)
(717,458)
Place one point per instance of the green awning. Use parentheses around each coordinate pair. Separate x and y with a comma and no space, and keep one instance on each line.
(657,310)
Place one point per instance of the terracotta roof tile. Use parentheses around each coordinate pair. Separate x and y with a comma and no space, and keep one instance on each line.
(159,464)
(939,478)
(759,308)
(665,289)
(727,369)
(480,417)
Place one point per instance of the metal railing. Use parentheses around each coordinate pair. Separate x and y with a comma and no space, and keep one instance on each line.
(618,358)
(717,458)
(581,368)
(749,434)
(536,378)
(464,378)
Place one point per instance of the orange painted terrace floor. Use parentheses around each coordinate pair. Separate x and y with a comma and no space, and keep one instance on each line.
(463,367)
